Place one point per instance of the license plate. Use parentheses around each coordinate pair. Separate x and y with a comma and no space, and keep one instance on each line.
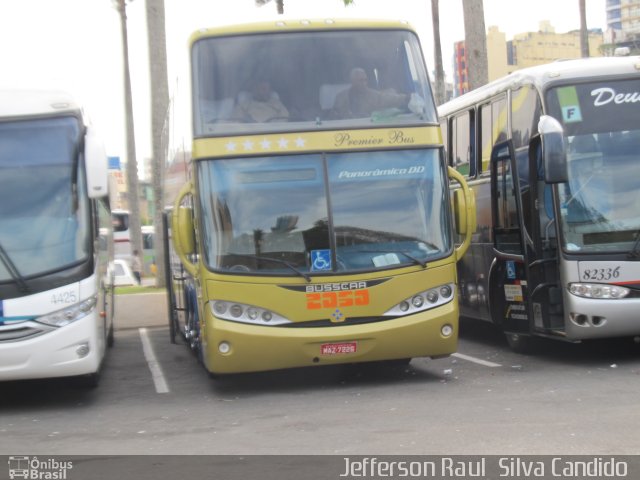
(338,348)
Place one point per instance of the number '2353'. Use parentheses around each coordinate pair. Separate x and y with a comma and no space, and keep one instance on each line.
(347,298)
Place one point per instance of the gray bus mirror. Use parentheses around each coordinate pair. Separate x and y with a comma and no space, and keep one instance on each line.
(96,165)
(554,153)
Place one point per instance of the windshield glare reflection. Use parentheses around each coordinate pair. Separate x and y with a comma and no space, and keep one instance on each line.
(271,215)
(600,202)
(43,227)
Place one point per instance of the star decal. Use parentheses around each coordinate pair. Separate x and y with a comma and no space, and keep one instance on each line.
(300,142)
(265,144)
(231,147)
(248,145)
(283,143)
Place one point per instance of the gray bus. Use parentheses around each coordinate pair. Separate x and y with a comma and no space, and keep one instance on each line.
(552,153)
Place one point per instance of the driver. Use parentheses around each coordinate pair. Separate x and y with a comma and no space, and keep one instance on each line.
(359,100)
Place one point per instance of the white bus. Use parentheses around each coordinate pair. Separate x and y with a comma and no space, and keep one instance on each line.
(122,240)
(552,154)
(56,295)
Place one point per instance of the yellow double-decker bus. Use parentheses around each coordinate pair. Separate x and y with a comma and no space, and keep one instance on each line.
(315,224)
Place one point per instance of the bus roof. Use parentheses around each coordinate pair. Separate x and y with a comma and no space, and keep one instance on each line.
(16,103)
(542,75)
(292,25)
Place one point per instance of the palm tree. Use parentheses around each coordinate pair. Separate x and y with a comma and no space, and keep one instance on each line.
(475,39)
(132,164)
(279,5)
(437,54)
(156,38)
(584,33)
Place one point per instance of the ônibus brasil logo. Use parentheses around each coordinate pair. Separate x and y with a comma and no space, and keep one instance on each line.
(32,468)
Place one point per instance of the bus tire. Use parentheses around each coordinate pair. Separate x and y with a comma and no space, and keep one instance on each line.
(110,336)
(88,381)
(520,343)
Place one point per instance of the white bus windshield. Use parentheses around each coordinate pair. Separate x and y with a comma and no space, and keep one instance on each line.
(328,213)
(309,80)
(599,204)
(43,204)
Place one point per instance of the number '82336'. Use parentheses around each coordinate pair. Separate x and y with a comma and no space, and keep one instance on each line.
(601,274)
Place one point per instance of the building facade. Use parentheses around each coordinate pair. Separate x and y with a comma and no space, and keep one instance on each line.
(623,27)
(524,50)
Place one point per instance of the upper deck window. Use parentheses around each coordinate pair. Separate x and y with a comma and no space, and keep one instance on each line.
(309,80)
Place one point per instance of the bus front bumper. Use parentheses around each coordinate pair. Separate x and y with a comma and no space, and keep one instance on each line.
(66,351)
(589,318)
(230,347)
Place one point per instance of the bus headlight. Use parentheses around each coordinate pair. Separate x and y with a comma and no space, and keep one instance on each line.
(69,314)
(598,290)
(240,312)
(434,297)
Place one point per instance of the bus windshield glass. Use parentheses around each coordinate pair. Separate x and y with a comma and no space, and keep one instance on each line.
(599,203)
(45,215)
(329,213)
(324,80)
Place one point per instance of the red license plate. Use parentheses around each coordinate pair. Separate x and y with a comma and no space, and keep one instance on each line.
(338,348)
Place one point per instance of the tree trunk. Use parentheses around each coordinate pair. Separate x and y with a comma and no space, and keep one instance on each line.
(584,33)
(475,39)
(280,7)
(437,54)
(132,164)
(159,105)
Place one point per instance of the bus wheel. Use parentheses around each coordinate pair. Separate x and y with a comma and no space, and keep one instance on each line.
(110,336)
(520,343)
(88,381)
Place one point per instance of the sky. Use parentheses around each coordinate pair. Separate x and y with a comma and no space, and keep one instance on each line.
(75,44)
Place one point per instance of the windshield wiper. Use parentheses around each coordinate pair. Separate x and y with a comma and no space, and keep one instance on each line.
(275,260)
(416,261)
(13,270)
(635,250)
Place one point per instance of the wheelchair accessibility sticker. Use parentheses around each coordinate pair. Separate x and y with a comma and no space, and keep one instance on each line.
(320,260)
(511,270)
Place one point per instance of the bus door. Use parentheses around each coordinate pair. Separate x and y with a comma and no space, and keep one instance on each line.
(508,278)
(541,252)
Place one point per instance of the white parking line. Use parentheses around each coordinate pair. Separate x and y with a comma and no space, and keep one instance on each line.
(479,361)
(156,371)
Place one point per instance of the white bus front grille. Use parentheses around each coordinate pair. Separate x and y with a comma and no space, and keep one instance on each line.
(22,331)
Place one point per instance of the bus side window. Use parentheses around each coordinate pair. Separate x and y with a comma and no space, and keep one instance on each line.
(505,211)
(461,144)
(444,127)
(525,115)
(493,128)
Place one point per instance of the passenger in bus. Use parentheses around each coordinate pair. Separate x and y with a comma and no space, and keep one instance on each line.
(359,100)
(262,105)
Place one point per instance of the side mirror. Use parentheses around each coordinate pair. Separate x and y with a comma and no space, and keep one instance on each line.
(96,165)
(184,231)
(553,150)
(464,209)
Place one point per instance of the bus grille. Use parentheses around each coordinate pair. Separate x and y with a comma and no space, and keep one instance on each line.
(22,331)
(329,323)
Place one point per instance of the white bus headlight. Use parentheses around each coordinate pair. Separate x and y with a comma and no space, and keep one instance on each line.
(70,314)
(598,290)
(240,312)
(434,297)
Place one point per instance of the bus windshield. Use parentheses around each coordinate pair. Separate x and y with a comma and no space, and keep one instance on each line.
(599,203)
(325,80)
(329,213)
(44,211)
